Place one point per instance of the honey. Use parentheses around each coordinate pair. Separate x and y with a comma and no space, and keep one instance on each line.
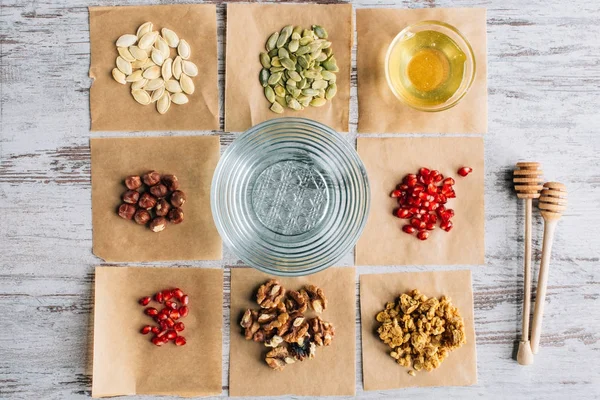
(426,68)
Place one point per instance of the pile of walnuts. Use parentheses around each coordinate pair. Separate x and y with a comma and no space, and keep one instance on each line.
(421,331)
(280,323)
(158,200)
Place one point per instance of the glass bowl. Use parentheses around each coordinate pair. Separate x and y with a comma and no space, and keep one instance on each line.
(396,58)
(290,196)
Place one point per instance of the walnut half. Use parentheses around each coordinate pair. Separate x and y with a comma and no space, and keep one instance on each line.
(278,358)
(316,298)
(322,332)
(270,294)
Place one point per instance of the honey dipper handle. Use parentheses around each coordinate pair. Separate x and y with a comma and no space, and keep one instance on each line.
(540,298)
(527,272)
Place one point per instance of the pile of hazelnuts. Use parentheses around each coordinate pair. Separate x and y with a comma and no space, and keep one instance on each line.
(158,200)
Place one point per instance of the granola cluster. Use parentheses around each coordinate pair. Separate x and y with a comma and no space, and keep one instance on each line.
(281,325)
(421,331)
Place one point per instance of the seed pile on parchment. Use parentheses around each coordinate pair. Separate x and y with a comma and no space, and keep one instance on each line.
(280,323)
(145,61)
(298,68)
(421,331)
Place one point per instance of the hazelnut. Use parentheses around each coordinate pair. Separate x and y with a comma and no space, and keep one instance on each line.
(142,217)
(126,211)
(176,215)
(177,198)
(162,208)
(171,182)
(133,182)
(131,196)
(151,178)
(158,224)
(159,190)
(147,201)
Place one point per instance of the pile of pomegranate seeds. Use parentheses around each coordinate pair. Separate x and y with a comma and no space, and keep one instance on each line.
(175,307)
(422,198)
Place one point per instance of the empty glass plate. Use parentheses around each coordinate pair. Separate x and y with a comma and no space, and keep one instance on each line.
(290,196)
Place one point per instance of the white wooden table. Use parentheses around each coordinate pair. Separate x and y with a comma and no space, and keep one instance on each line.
(544,81)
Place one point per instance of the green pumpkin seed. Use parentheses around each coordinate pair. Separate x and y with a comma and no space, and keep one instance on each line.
(270,94)
(321,57)
(330,64)
(294,104)
(272,41)
(297,31)
(295,76)
(283,53)
(290,83)
(321,93)
(310,92)
(328,51)
(294,45)
(302,84)
(320,31)
(307,33)
(276,69)
(263,77)
(326,45)
(315,55)
(287,64)
(302,50)
(328,75)
(302,61)
(304,100)
(295,92)
(318,102)
(314,46)
(319,84)
(331,91)
(279,90)
(273,52)
(281,101)
(305,40)
(276,77)
(265,60)
(311,74)
(277,108)
(275,62)
(284,35)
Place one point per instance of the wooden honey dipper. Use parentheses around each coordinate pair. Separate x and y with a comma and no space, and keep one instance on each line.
(527,179)
(552,203)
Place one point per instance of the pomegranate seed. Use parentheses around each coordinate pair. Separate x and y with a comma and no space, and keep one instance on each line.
(169,322)
(428,179)
(171,304)
(174,315)
(413,210)
(151,311)
(423,235)
(409,177)
(183,311)
(145,300)
(178,293)
(171,335)
(430,226)
(451,195)
(408,229)
(449,213)
(464,171)
(155,330)
(424,171)
(417,189)
(146,330)
(415,222)
(157,341)
(446,225)
(163,325)
(431,188)
(449,181)
(162,333)
(167,294)
(435,173)
(403,187)
(422,211)
(411,182)
(185,300)
(438,178)
(179,326)
(432,206)
(404,213)
(159,297)
(432,218)
(396,193)
(162,316)
(180,341)
(422,225)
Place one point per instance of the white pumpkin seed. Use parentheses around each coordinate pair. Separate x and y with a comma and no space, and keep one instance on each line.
(126,40)
(139,84)
(177,67)
(143,29)
(166,70)
(138,53)
(152,72)
(183,49)
(137,64)
(163,104)
(187,85)
(157,57)
(147,40)
(162,46)
(170,37)
(179,98)
(189,68)
(119,76)
(124,66)
(157,94)
(148,64)
(124,52)
(141,96)
(173,86)
(154,84)
(135,76)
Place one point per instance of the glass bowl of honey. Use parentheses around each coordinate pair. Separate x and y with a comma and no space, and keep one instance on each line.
(430,66)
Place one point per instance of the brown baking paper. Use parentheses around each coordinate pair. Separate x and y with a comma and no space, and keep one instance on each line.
(387,161)
(248,28)
(111,104)
(380,371)
(379,110)
(127,363)
(192,159)
(330,373)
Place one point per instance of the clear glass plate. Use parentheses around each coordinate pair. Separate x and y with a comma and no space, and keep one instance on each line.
(290,196)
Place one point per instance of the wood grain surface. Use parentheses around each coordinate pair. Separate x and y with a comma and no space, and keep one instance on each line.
(544,81)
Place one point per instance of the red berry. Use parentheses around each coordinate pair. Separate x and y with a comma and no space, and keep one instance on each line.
(464,171)
(178,293)
(185,300)
(151,311)
(423,235)
(179,326)
(396,193)
(146,330)
(145,300)
(408,229)
(159,297)
(171,335)
(180,341)
(183,311)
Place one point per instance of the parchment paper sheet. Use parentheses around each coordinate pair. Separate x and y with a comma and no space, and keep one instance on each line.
(387,161)
(127,363)
(192,159)
(379,110)
(111,104)
(330,373)
(380,371)
(248,28)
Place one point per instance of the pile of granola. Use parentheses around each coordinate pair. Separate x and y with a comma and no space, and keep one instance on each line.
(421,331)
(280,323)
